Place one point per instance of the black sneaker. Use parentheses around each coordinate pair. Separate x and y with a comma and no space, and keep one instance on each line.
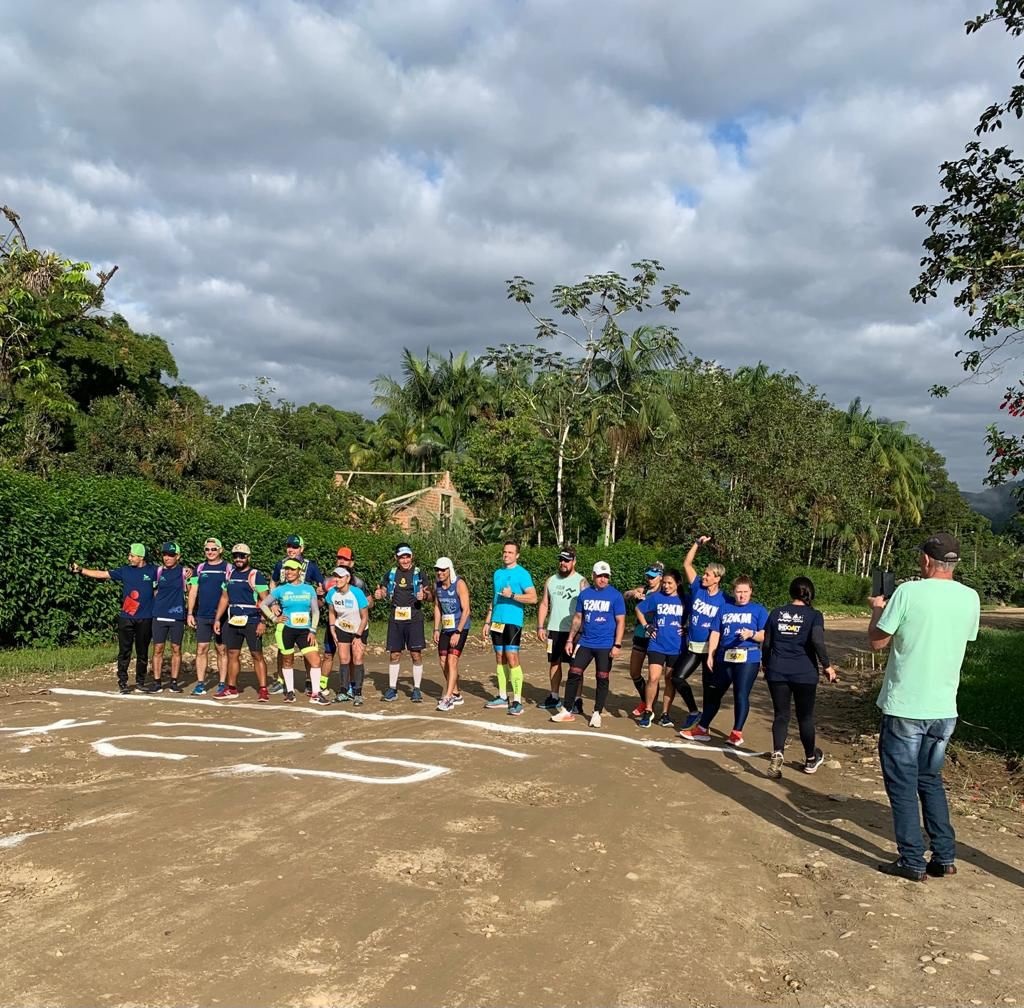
(154,687)
(176,686)
(899,870)
(124,689)
(813,762)
(577,707)
(939,870)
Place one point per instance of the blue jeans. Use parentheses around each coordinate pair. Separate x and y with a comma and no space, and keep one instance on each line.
(912,751)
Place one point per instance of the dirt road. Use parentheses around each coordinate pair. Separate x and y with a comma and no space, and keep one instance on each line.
(171,851)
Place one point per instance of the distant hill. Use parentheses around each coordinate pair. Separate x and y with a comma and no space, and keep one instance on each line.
(999,504)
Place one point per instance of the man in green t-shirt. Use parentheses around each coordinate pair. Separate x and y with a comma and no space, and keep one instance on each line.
(926,624)
(554,621)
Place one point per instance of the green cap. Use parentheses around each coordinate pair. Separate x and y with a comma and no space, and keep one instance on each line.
(137,549)
(292,565)
(216,542)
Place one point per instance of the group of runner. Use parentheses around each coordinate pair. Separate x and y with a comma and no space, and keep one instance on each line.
(680,626)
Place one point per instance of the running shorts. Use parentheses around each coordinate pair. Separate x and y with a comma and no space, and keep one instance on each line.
(557,639)
(507,638)
(235,636)
(406,635)
(205,634)
(172,630)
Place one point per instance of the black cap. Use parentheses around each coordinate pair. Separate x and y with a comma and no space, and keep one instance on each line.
(567,555)
(942,546)
(294,540)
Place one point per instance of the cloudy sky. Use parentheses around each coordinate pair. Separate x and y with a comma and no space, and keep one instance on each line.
(300,189)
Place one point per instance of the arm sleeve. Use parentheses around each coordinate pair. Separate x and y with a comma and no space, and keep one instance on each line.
(766,647)
(818,641)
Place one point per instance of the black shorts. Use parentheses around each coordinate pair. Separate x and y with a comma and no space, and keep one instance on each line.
(172,630)
(204,632)
(602,658)
(557,639)
(329,646)
(235,636)
(641,643)
(660,658)
(292,640)
(406,634)
(507,639)
(344,637)
(452,641)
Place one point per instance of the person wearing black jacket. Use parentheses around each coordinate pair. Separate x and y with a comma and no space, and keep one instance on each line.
(794,650)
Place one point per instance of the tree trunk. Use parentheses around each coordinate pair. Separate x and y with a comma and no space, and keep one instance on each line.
(810,551)
(559,502)
(609,516)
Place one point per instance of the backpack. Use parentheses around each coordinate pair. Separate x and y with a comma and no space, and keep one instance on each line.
(417,582)
(184,580)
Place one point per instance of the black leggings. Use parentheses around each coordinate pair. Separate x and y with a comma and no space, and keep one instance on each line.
(133,635)
(686,664)
(803,695)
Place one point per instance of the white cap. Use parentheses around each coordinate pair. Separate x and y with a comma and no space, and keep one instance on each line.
(443,563)
(602,568)
(343,572)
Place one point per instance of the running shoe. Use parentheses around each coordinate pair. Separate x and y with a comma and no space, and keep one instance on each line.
(691,719)
(515,709)
(232,693)
(695,734)
(416,696)
(176,686)
(577,707)
(154,687)
(457,699)
(550,703)
(563,715)
(645,719)
(496,702)
(124,690)
(321,699)
(309,689)
(595,719)
(390,696)
(735,738)
(263,696)
(812,763)
(775,765)
(140,683)
(277,686)
(357,699)
(342,697)
(665,722)
(289,696)
(445,704)
(199,689)
(638,710)
(221,691)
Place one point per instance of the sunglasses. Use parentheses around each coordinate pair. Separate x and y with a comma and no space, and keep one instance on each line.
(239,556)
(441,570)
(210,549)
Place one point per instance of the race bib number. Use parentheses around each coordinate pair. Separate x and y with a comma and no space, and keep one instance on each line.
(300,619)
(698,647)
(349,625)
(403,613)
(736,654)
(238,620)
(447,621)
(551,646)
(497,628)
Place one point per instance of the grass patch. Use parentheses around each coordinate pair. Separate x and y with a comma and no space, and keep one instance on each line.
(991,697)
(55,660)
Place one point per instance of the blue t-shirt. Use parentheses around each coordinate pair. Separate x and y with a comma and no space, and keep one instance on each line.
(600,609)
(169,598)
(506,610)
(450,605)
(243,588)
(209,579)
(310,572)
(733,618)
(136,589)
(297,602)
(666,612)
(346,607)
(703,611)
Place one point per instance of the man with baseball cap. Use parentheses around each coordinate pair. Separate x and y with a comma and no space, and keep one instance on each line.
(240,621)
(926,624)
(168,616)
(203,595)
(596,636)
(135,621)
(405,593)
(554,620)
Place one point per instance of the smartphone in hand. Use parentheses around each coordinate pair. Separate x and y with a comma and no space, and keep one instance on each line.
(883,584)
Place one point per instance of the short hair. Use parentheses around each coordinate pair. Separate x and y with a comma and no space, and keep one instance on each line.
(947,566)
(717,569)
(743,579)
(509,542)
(801,589)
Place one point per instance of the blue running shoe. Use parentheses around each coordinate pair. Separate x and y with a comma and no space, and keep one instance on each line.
(416,696)
(495,702)
(390,695)
(645,719)
(342,697)
(199,689)
(550,703)
(515,709)
(277,686)
(691,720)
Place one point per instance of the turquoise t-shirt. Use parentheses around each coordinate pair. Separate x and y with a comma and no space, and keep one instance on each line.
(506,610)
(930,622)
(297,602)
(562,594)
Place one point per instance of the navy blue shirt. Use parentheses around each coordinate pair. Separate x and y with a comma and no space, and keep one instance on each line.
(310,572)
(794,644)
(169,599)
(209,580)
(599,609)
(136,589)
(243,588)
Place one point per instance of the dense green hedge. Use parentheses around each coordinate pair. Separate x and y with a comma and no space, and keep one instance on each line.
(47,525)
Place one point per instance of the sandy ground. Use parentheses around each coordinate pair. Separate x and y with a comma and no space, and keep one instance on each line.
(170,851)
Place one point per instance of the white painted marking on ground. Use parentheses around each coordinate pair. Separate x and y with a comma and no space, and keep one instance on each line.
(107,747)
(492,726)
(61,725)
(17,838)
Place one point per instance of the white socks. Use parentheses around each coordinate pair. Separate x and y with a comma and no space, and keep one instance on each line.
(289,679)
(393,675)
(417,676)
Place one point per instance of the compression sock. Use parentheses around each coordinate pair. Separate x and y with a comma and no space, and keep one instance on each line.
(417,676)
(515,676)
(502,686)
(393,670)
(289,679)
(323,683)
(358,674)
(602,693)
(641,688)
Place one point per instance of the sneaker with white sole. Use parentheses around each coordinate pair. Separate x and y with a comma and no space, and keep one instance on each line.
(496,702)
(645,719)
(445,704)
(812,763)
(665,721)
(199,689)
(457,700)
(562,715)
(735,738)
(595,719)
(775,765)
(695,734)
(390,695)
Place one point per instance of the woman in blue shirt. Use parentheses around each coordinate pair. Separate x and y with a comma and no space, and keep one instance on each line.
(660,615)
(734,651)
